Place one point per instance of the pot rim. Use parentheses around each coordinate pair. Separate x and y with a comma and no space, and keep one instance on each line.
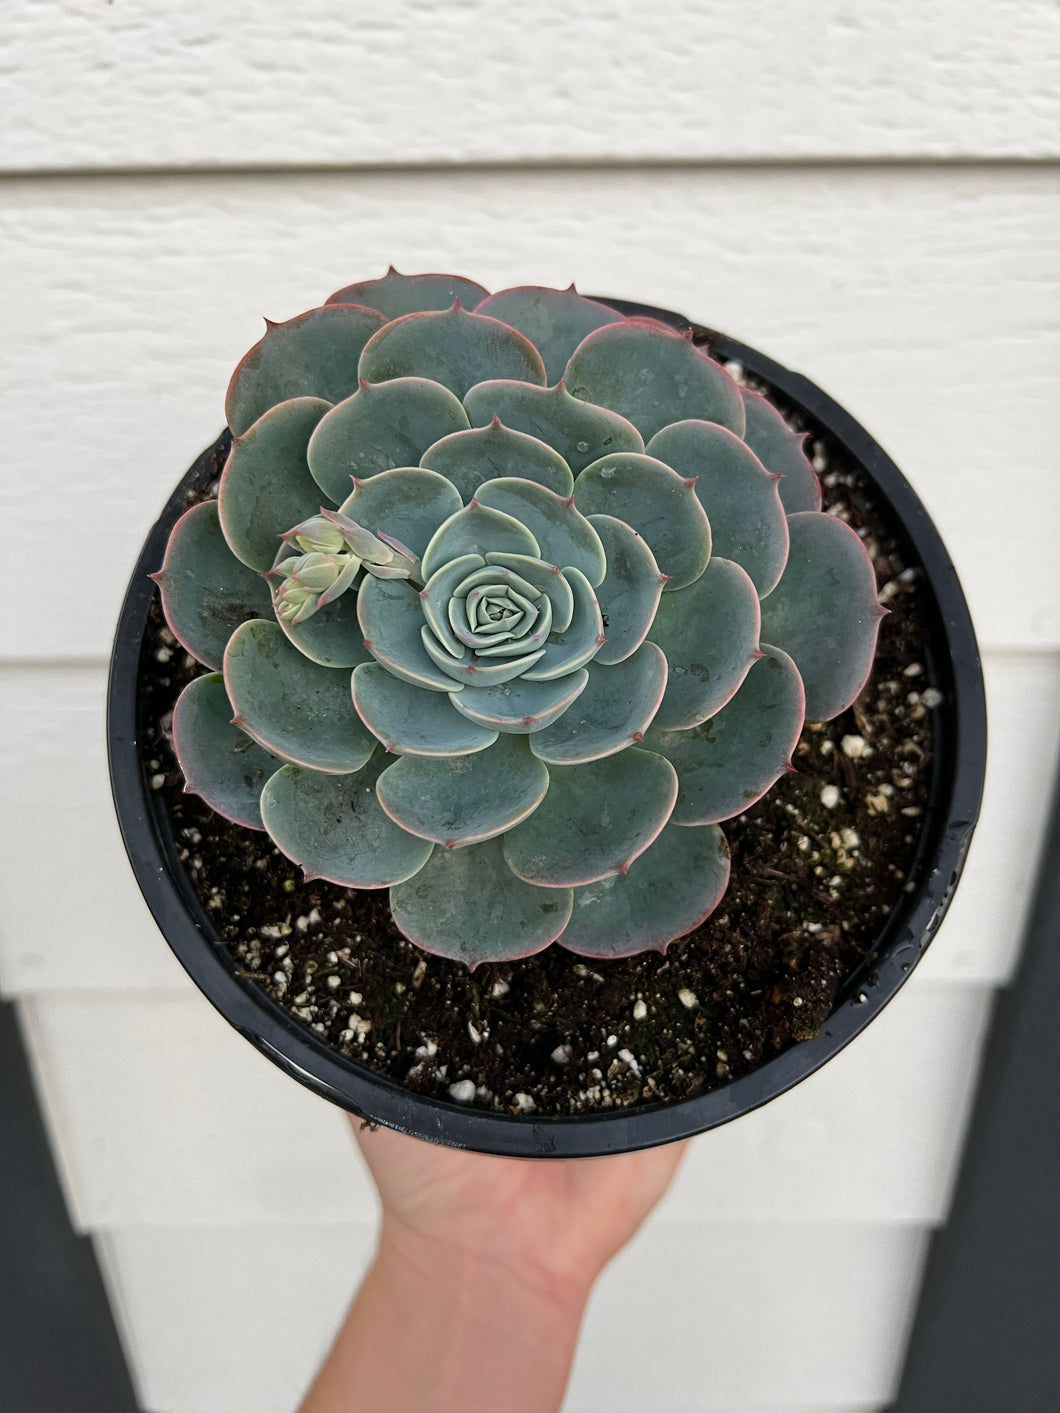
(948,822)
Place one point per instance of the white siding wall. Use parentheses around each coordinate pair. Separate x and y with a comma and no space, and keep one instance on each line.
(846,186)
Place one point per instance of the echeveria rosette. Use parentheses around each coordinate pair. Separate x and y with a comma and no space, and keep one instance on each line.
(508,603)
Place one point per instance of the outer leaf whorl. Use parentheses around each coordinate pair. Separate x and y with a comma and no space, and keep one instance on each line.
(510,665)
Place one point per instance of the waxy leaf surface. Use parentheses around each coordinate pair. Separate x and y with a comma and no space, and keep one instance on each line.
(825,612)
(333,827)
(653,376)
(595,819)
(671,889)
(383,425)
(266,488)
(709,633)
(220,762)
(315,354)
(727,763)
(454,348)
(464,799)
(510,918)
(580,433)
(206,591)
(298,710)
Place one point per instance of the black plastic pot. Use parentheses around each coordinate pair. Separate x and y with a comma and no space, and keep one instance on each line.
(952,662)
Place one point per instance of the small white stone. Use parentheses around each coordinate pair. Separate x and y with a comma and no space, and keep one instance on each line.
(640,1010)
(463,1091)
(612,1041)
(688,999)
(501,988)
(851,838)
(524,1103)
(804,844)
(830,796)
(914,669)
(334,982)
(157,781)
(355,998)
(629,1059)
(476,1035)
(931,697)
(427,1050)
(853,746)
(561,1055)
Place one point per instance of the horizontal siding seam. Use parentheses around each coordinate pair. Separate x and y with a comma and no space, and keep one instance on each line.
(765,163)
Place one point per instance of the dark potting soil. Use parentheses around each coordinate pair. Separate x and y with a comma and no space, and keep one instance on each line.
(816,867)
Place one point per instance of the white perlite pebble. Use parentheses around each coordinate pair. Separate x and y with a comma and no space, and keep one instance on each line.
(561,1055)
(463,1091)
(476,1035)
(640,1010)
(524,1103)
(830,796)
(501,988)
(851,839)
(931,697)
(687,998)
(853,746)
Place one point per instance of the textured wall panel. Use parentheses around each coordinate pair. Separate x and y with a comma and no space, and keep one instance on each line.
(691,1318)
(94,932)
(166,1115)
(927,302)
(206,84)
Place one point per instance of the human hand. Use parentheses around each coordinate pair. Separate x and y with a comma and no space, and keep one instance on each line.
(475,1296)
(552,1224)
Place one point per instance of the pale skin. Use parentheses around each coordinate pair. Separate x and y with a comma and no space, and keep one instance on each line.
(476,1293)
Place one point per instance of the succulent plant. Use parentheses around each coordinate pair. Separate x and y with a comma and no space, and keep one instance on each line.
(508,602)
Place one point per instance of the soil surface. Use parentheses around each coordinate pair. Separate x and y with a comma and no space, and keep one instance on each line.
(816,867)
